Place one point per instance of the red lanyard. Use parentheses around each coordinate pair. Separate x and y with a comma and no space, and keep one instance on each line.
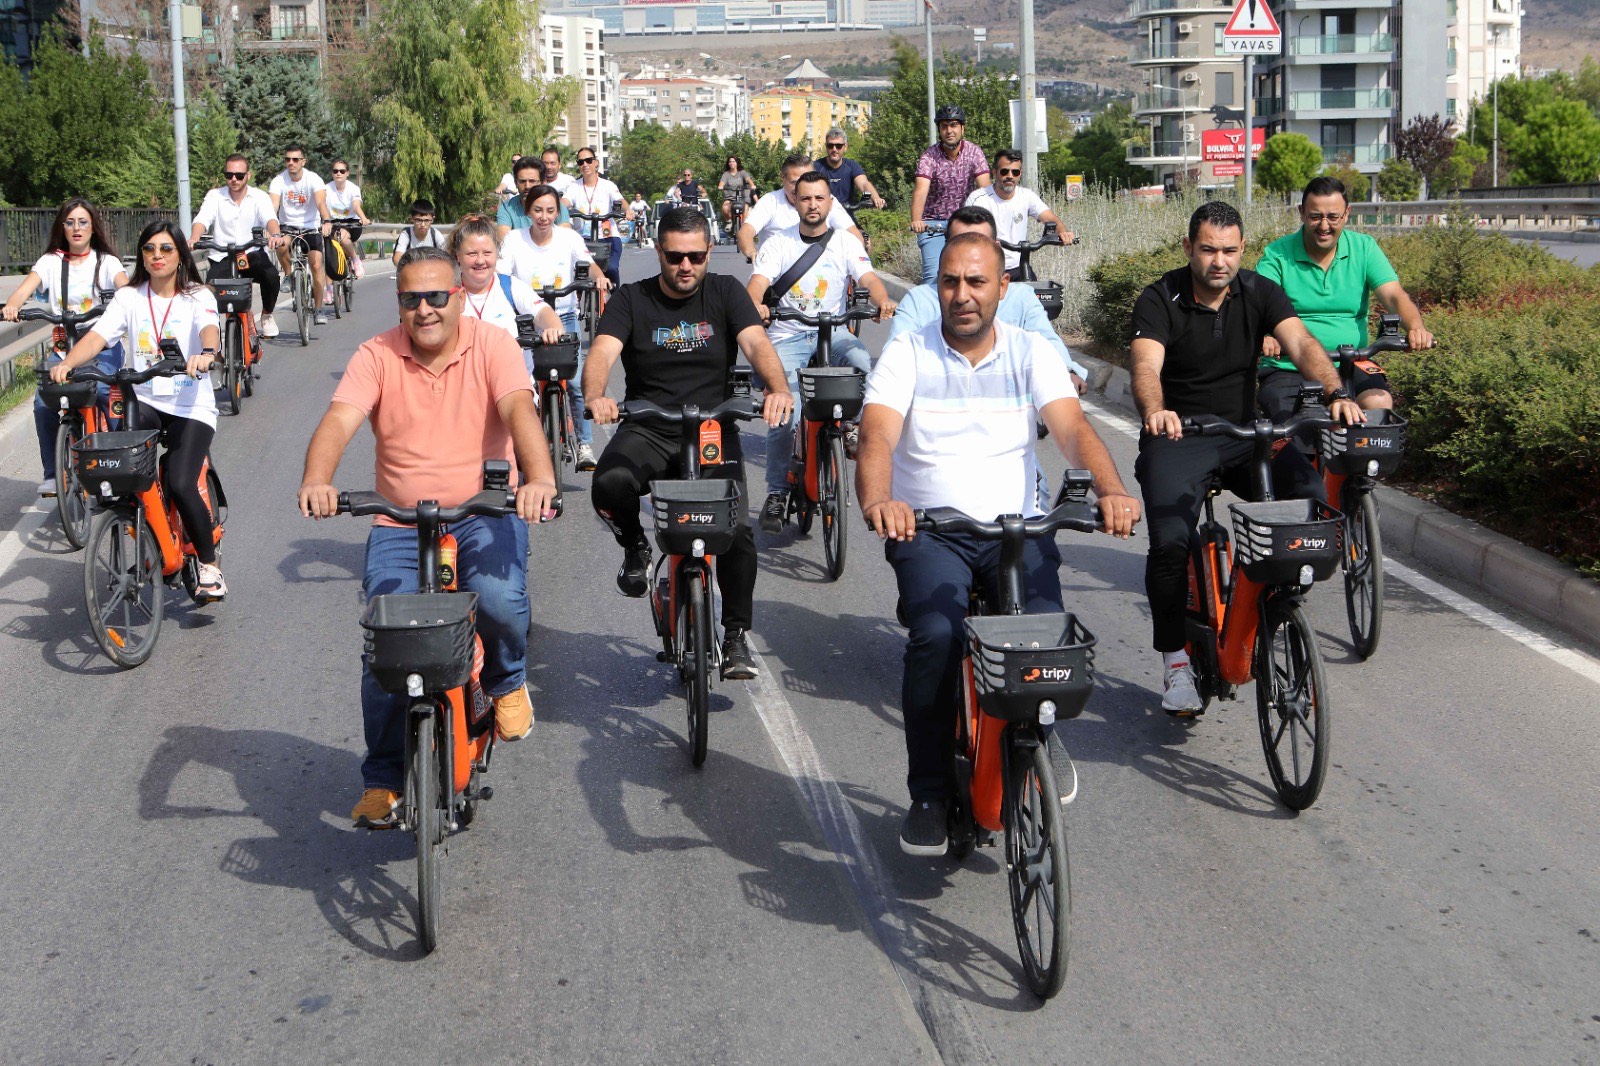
(488,294)
(150,302)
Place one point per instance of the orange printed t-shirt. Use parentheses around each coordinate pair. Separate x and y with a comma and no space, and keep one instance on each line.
(435,430)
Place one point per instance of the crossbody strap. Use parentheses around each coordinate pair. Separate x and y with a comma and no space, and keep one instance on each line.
(798,270)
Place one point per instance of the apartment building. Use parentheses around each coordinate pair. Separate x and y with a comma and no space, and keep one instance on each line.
(1189,82)
(795,115)
(573,46)
(669,17)
(713,105)
(1482,43)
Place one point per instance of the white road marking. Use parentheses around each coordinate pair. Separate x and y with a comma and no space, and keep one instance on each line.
(15,539)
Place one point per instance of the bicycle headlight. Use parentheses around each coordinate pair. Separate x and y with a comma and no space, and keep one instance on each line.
(1306,576)
(1047,711)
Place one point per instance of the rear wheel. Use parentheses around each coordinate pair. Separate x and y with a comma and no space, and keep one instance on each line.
(695,633)
(233,365)
(428,822)
(72,504)
(834,488)
(1363,571)
(1037,868)
(1292,703)
(122,586)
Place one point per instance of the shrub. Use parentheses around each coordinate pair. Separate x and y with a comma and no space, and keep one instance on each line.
(1118,281)
(1399,181)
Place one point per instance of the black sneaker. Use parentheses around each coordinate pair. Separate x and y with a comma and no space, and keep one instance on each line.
(774,511)
(926,828)
(737,662)
(633,578)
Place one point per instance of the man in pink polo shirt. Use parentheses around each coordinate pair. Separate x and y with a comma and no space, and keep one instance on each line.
(947,173)
(430,388)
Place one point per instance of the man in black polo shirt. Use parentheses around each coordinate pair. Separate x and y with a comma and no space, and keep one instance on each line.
(678,335)
(1197,333)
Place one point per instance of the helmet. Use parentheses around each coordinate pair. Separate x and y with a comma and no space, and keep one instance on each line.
(950,113)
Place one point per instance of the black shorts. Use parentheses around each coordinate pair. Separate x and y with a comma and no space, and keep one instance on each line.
(353,232)
(312,237)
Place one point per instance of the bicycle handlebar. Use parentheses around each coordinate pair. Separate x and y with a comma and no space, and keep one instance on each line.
(1075,515)
(578,284)
(615,212)
(1379,344)
(1213,426)
(209,244)
(41,314)
(529,336)
(1050,238)
(490,503)
(854,312)
(742,408)
(164,368)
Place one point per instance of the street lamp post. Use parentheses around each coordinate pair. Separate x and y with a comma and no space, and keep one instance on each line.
(1494,88)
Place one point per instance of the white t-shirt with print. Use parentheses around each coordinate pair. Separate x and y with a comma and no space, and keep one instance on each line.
(134,316)
(821,289)
(561,183)
(230,223)
(597,201)
(553,264)
(1010,216)
(774,212)
(408,239)
(342,203)
(298,208)
(86,276)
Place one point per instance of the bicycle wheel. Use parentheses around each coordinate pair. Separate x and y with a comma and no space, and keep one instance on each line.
(122,586)
(834,488)
(1037,869)
(552,432)
(1292,703)
(349,287)
(424,793)
(302,304)
(72,503)
(233,365)
(694,630)
(1363,571)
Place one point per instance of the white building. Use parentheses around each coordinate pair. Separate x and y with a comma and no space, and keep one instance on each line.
(1483,43)
(669,17)
(712,105)
(574,46)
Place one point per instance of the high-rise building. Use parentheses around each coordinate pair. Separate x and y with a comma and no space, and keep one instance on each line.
(573,46)
(712,105)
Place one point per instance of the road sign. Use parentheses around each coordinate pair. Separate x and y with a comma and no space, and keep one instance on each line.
(1074,186)
(1252,30)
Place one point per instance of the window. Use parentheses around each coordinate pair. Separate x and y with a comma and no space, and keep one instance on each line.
(1222,91)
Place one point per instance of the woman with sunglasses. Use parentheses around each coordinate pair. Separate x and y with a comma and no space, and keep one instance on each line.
(736,186)
(344,201)
(490,295)
(594,195)
(77,266)
(545,254)
(167,299)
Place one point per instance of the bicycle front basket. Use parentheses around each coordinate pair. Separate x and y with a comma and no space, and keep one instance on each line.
(686,511)
(1021,660)
(1049,294)
(1277,541)
(1373,449)
(825,387)
(555,362)
(233,294)
(111,465)
(601,251)
(420,633)
(68,394)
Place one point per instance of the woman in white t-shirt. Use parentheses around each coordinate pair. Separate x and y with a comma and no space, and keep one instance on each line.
(544,254)
(344,201)
(167,299)
(490,295)
(78,265)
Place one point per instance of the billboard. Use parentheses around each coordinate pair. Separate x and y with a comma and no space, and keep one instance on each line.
(1227,146)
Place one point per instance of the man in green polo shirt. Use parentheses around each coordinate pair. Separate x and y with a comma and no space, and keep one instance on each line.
(1331,276)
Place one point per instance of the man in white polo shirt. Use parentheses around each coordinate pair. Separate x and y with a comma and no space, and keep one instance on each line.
(949,422)
(1012,206)
(776,211)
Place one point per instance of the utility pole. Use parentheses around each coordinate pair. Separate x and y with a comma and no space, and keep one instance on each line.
(1030,163)
(933,127)
(180,114)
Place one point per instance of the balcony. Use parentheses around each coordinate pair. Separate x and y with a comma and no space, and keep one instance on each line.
(1167,100)
(1268,105)
(1381,100)
(279,35)
(1357,154)
(1142,8)
(1371,47)
(1502,11)
(1178,52)
(1164,152)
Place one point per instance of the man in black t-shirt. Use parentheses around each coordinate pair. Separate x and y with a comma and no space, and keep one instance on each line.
(1197,334)
(688,191)
(678,335)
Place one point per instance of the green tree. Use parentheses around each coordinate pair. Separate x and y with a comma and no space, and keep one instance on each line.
(1099,153)
(1465,160)
(1558,142)
(762,158)
(1427,143)
(1399,181)
(1586,84)
(212,138)
(649,158)
(274,101)
(1287,162)
(1357,186)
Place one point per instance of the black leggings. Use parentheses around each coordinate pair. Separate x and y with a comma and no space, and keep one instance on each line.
(262,270)
(637,456)
(188,445)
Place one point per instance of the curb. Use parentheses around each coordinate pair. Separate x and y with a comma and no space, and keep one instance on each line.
(1530,580)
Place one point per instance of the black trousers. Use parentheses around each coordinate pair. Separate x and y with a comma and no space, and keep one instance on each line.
(262,270)
(1174,476)
(188,445)
(637,456)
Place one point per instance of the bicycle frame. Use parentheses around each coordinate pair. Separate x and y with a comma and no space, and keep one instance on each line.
(811,434)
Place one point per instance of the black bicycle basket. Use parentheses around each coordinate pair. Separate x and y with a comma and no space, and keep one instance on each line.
(555,362)
(825,387)
(687,511)
(1021,660)
(117,464)
(1049,294)
(429,634)
(233,294)
(1275,542)
(600,249)
(1355,449)
(68,394)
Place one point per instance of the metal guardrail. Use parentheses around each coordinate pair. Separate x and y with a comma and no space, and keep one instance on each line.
(24,231)
(1555,214)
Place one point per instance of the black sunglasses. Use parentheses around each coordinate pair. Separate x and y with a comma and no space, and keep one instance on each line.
(835,145)
(338,170)
(411,300)
(676,258)
(236,175)
(1015,171)
(581,162)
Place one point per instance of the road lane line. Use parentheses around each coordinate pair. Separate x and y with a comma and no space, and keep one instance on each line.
(16,539)
(1582,665)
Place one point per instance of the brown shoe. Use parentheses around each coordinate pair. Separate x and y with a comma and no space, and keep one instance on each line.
(513,714)
(376,809)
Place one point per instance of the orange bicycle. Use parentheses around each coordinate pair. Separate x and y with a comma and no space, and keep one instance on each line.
(78,403)
(234,369)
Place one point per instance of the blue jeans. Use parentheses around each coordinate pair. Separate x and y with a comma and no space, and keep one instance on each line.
(795,352)
(930,242)
(580,425)
(934,573)
(491,560)
(46,420)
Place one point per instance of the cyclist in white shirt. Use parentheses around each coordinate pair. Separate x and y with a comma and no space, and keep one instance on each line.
(594,195)
(300,200)
(820,289)
(490,295)
(508,181)
(232,213)
(776,210)
(640,218)
(550,159)
(344,201)
(545,254)
(1012,206)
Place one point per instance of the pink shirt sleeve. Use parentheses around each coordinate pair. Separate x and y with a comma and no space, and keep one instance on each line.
(363,380)
(924,165)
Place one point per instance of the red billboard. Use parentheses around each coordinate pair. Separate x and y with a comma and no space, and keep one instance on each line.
(1227,146)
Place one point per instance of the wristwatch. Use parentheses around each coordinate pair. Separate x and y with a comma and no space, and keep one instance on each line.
(1341,393)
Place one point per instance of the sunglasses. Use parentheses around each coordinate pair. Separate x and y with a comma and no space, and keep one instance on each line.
(294,159)
(831,147)
(676,258)
(585,162)
(1009,172)
(411,300)
(236,175)
(338,170)
(159,249)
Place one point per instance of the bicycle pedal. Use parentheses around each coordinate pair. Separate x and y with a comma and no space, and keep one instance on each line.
(486,792)
(662,657)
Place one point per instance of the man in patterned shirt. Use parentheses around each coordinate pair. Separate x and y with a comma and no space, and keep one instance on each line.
(946,174)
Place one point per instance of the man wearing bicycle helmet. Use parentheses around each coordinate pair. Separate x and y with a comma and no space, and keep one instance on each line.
(949,422)
(947,173)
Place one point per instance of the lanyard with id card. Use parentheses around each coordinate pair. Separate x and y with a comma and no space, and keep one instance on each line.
(162,386)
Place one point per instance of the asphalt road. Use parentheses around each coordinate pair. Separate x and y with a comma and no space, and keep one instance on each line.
(184,885)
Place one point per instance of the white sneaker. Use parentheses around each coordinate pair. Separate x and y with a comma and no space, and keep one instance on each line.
(209,587)
(1181,698)
(267,325)
(355,268)
(47,487)
(585,457)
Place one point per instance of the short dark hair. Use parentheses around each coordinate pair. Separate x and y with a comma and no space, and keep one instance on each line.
(1218,213)
(810,177)
(526,162)
(425,253)
(974,215)
(682,220)
(237,157)
(1010,155)
(548,149)
(296,148)
(535,194)
(422,207)
(796,159)
(962,240)
(1325,186)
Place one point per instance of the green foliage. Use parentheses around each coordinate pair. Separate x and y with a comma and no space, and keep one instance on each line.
(274,101)
(1357,185)
(1559,142)
(763,159)
(1399,181)
(1458,264)
(1465,161)
(1099,153)
(1287,162)
(1118,281)
(212,138)
(650,157)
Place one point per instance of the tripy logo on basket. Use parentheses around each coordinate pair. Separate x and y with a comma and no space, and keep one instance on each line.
(702,518)
(1036,675)
(1304,544)
(1374,443)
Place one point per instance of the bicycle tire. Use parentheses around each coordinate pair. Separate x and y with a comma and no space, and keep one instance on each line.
(696,636)
(1363,571)
(333,292)
(233,365)
(552,434)
(123,592)
(427,823)
(349,287)
(1038,872)
(302,304)
(834,488)
(1292,703)
(72,503)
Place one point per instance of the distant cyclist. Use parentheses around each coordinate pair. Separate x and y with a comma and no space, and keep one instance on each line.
(846,178)
(687,191)
(232,213)
(1012,206)
(344,201)
(947,172)
(736,187)
(420,234)
(777,211)
(299,198)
